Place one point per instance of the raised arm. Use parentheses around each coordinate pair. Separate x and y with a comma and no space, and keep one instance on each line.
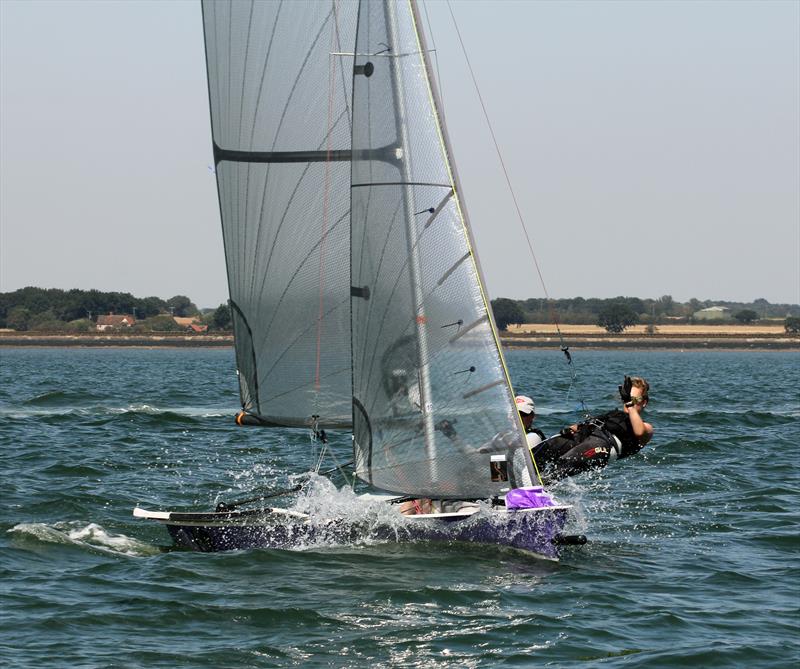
(642,430)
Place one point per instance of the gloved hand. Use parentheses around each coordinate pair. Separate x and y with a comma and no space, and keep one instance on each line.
(625,390)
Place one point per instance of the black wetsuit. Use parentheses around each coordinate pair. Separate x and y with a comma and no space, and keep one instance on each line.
(592,446)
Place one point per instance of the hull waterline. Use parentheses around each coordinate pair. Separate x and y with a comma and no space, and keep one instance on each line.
(537,531)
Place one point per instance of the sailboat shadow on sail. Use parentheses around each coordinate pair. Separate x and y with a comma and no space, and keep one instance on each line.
(356,293)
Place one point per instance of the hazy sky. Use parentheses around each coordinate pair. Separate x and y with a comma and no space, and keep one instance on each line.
(654,147)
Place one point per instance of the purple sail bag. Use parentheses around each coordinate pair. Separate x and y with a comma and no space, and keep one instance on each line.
(533,497)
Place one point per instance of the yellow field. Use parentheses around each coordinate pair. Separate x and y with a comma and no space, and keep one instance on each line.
(676,330)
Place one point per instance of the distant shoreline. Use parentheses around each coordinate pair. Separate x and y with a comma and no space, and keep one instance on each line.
(697,342)
(115,340)
(717,339)
(676,337)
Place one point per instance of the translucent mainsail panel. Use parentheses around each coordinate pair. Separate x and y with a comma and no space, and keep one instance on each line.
(433,412)
(280,96)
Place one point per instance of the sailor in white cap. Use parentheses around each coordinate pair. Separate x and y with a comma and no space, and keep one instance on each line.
(527,412)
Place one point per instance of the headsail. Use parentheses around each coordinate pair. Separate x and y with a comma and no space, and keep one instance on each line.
(433,413)
(281,123)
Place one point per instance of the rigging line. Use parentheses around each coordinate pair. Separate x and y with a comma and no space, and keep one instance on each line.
(497,150)
(433,48)
(342,70)
(338,467)
(554,316)
(325,213)
(316,435)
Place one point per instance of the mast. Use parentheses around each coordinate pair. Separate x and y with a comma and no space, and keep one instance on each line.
(420,324)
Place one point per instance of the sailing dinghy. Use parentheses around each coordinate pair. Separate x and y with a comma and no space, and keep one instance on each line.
(356,293)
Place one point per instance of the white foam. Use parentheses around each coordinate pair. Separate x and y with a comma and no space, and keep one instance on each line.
(94,411)
(89,535)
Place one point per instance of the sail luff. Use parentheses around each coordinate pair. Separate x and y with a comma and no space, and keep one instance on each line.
(420,324)
(462,208)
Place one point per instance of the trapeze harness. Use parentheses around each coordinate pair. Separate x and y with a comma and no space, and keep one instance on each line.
(597,442)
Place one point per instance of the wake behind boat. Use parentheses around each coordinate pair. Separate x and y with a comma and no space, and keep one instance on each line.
(355,289)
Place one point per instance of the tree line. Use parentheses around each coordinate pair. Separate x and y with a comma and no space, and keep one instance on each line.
(617,313)
(53,309)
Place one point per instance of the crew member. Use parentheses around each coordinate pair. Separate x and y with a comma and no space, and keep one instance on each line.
(527,413)
(594,443)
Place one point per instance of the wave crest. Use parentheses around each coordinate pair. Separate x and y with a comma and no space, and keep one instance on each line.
(85,535)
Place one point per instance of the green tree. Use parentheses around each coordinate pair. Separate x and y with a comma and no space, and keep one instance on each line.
(150,306)
(161,323)
(792,324)
(746,316)
(80,325)
(182,306)
(617,316)
(18,318)
(664,304)
(506,312)
(46,321)
(222,317)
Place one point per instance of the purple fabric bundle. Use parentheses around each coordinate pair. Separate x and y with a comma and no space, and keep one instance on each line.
(528,498)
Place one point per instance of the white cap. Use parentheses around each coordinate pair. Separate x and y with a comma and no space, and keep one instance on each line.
(525,404)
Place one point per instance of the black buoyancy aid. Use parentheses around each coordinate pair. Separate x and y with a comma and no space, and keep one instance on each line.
(536,431)
(617,423)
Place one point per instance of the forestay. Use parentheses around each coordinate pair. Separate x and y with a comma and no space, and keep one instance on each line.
(281,123)
(433,410)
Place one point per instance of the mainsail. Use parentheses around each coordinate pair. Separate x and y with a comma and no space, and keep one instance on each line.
(350,266)
(281,124)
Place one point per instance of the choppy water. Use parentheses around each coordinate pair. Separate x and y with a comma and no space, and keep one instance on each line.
(693,559)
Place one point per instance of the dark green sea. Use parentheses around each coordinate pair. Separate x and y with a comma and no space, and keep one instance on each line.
(693,557)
